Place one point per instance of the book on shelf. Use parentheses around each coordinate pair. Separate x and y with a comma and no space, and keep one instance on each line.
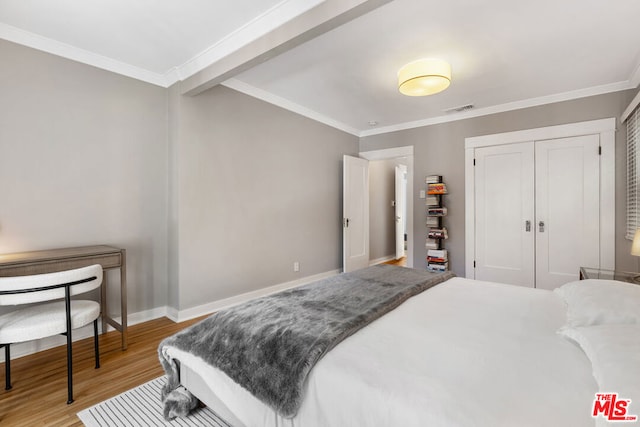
(437,253)
(437,266)
(432,179)
(437,256)
(437,188)
(436,211)
(433,200)
(431,244)
(438,233)
(433,221)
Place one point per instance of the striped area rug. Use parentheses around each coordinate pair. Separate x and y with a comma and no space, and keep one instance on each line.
(141,407)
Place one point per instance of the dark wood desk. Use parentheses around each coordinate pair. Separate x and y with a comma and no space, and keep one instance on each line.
(51,261)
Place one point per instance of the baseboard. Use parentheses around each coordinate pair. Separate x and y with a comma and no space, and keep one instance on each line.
(201,310)
(24,349)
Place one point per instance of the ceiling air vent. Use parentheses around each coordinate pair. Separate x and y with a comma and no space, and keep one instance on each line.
(459,109)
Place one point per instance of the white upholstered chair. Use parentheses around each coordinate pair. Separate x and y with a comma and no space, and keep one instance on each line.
(49,311)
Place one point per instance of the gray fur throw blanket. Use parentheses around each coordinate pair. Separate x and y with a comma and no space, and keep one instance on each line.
(268,345)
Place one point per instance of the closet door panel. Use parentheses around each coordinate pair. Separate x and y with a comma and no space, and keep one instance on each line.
(504,196)
(567,208)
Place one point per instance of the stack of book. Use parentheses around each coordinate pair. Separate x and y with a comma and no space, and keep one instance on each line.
(436,211)
(438,233)
(433,221)
(432,179)
(437,260)
(436,188)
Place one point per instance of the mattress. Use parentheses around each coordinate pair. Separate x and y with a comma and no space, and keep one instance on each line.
(463,353)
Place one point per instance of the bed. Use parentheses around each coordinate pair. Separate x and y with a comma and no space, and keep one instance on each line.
(458,353)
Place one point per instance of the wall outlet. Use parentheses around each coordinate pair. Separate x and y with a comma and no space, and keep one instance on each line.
(296,266)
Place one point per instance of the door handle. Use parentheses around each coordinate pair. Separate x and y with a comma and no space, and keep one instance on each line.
(527,226)
(541,226)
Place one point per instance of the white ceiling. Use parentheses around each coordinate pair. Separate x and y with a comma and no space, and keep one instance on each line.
(504,54)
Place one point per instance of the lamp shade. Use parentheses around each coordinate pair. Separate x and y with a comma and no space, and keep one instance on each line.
(424,77)
(635,246)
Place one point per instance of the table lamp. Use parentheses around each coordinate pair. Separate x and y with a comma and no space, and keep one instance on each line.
(635,250)
(635,246)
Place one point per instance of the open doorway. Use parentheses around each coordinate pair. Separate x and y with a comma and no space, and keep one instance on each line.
(390,237)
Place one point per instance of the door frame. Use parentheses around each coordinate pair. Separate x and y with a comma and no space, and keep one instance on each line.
(605,128)
(394,153)
(400,208)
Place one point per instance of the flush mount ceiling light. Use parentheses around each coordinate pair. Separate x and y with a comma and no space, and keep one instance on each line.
(424,77)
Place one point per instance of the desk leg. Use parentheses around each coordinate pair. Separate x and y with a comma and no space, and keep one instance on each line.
(103,302)
(123,298)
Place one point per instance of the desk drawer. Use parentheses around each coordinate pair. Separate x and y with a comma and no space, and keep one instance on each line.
(51,266)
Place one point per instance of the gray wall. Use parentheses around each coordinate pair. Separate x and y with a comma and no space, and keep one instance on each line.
(212,196)
(439,149)
(256,188)
(83,161)
(215,195)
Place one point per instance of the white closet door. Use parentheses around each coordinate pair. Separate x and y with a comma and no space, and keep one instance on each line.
(567,208)
(504,200)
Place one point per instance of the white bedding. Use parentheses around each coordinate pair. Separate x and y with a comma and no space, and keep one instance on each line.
(464,353)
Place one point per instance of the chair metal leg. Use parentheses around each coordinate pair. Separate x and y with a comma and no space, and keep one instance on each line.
(95,343)
(67,301)
(7,366)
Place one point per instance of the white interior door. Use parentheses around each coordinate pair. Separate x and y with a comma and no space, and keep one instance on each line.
(400,208)
(355,222)
(567,208)
(504,206)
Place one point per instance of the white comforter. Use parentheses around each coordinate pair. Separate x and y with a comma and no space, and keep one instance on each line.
(464,353)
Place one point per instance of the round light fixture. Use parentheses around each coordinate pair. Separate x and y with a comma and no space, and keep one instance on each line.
(424,77)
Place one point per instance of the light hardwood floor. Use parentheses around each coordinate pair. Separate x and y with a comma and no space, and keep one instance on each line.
(402,262)
(39,393)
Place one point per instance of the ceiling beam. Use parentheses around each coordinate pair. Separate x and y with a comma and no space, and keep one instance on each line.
(326,16)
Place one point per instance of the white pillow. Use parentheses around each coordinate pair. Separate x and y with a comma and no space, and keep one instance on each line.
(614,352)
(595,302)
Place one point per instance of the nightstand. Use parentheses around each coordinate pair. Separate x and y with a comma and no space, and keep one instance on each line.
(597,273)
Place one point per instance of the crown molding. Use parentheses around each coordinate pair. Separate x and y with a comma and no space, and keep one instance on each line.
(263,95)
(260,25)
(73,53)
(510,106)
(252,30)
(635,76)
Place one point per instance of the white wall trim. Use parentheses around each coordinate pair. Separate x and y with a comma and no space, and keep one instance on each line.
(606,130)
(265,21)
(634,79)
(24,349)
(632,106)
(517,105)
(550,132)
(263,95)
(387,153)
(204,309)
(30,347)
(252,30)
(73,53)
